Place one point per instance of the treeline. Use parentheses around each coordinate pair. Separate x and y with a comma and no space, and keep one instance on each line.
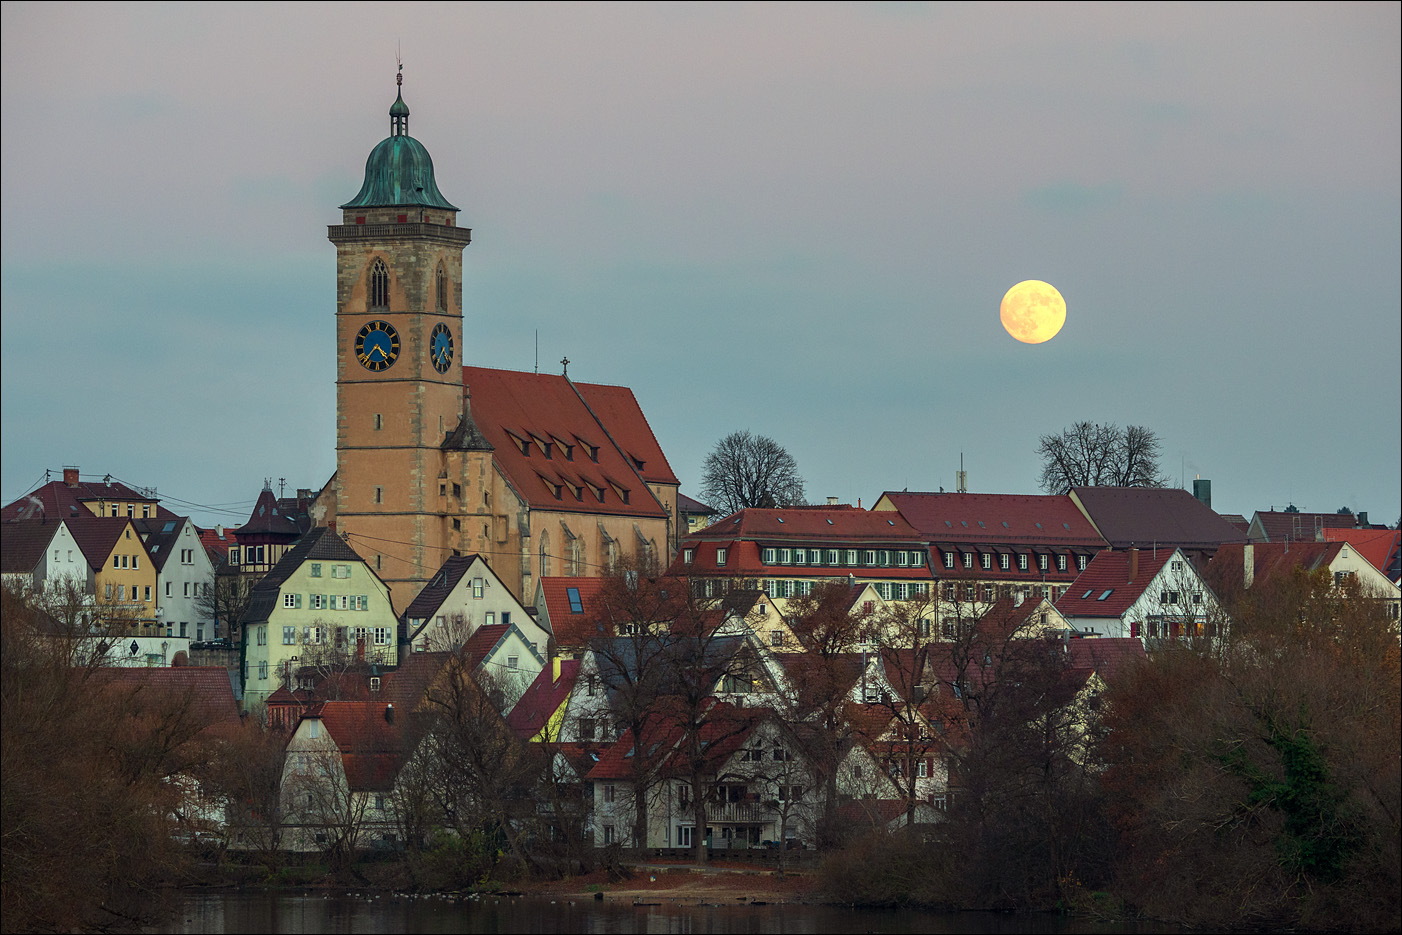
(1249,781)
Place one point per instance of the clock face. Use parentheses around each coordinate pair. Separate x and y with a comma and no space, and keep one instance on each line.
(440,348)
(377,346)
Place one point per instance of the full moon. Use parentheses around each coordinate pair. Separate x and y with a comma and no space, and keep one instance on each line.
(1033,311)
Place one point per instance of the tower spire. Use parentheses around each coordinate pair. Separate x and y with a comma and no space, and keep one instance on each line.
(399,111)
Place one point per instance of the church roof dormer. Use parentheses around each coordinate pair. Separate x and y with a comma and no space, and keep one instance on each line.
(399,171)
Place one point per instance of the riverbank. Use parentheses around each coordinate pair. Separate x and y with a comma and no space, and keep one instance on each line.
(728,883)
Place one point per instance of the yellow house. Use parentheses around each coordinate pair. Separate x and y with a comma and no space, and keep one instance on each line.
(321,607)
(124,577)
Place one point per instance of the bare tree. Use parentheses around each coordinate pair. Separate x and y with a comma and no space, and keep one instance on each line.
(1092,455)
(224,600)
(745,470)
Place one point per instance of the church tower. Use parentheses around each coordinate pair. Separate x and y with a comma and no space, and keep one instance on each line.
(399,386)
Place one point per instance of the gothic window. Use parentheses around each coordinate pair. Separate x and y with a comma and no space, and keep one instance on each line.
(441,287)
(379,285)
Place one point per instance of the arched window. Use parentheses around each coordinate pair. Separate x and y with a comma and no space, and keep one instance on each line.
(544,555)
(379,285)
(441,286)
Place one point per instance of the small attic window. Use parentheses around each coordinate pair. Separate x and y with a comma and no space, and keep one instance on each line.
(1038,525)
(1066,526)
(1005,524)
(168,527)
(830,522)
(1106,593)
(779,518)
(1087,594)
(980,524)
(964,523)
(890,522)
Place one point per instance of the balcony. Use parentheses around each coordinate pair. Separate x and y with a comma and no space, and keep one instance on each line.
(412,230)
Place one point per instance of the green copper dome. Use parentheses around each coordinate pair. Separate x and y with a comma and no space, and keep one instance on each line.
(399,171)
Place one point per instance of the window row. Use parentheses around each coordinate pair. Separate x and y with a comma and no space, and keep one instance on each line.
(120,561)
(115,509)
(292,601)
(988,593)
(192,589)
(337,571)
(1005,561)
(315,636)
(880,558)
(122,592)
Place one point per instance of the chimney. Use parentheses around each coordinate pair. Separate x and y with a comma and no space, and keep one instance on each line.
(1361,520)
(389,713)
(832,501)
(1133,563)
(219,530)
(70,475)
(1202,492)
(1248,565)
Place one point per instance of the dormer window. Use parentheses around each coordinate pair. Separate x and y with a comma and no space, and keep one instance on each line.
(1022,562)
(986,561)
(721,556)
(379,285)
(1061,563)
(1003,562)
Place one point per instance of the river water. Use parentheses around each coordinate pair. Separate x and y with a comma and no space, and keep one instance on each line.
(295,913)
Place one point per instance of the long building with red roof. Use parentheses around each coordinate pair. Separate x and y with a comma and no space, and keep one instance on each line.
(785,551)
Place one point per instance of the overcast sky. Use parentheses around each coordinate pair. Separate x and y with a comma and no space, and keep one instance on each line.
(790,219)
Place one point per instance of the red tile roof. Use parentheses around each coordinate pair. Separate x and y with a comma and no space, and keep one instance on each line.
(484,639)
(60,501)
(371,746)
(1108,657)
(216,545)
(542,699)
(1228,567)
(1109,571)
(1279,525)
(816,524)
(571,629)
(22,544)
(1378,546)
(206,689)
(522,415)
(618,410)
(98,536)
(1020,519)
(1142,516)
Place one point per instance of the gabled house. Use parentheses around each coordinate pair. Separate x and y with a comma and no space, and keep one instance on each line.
(72,496)
(338,777)
(183,573)
(321,606)
(756,612)
(756,789)
(462,596)
(1238,568)
(1381,547)
(503,662)
(1293,526)
(1143,593)
(35,554)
